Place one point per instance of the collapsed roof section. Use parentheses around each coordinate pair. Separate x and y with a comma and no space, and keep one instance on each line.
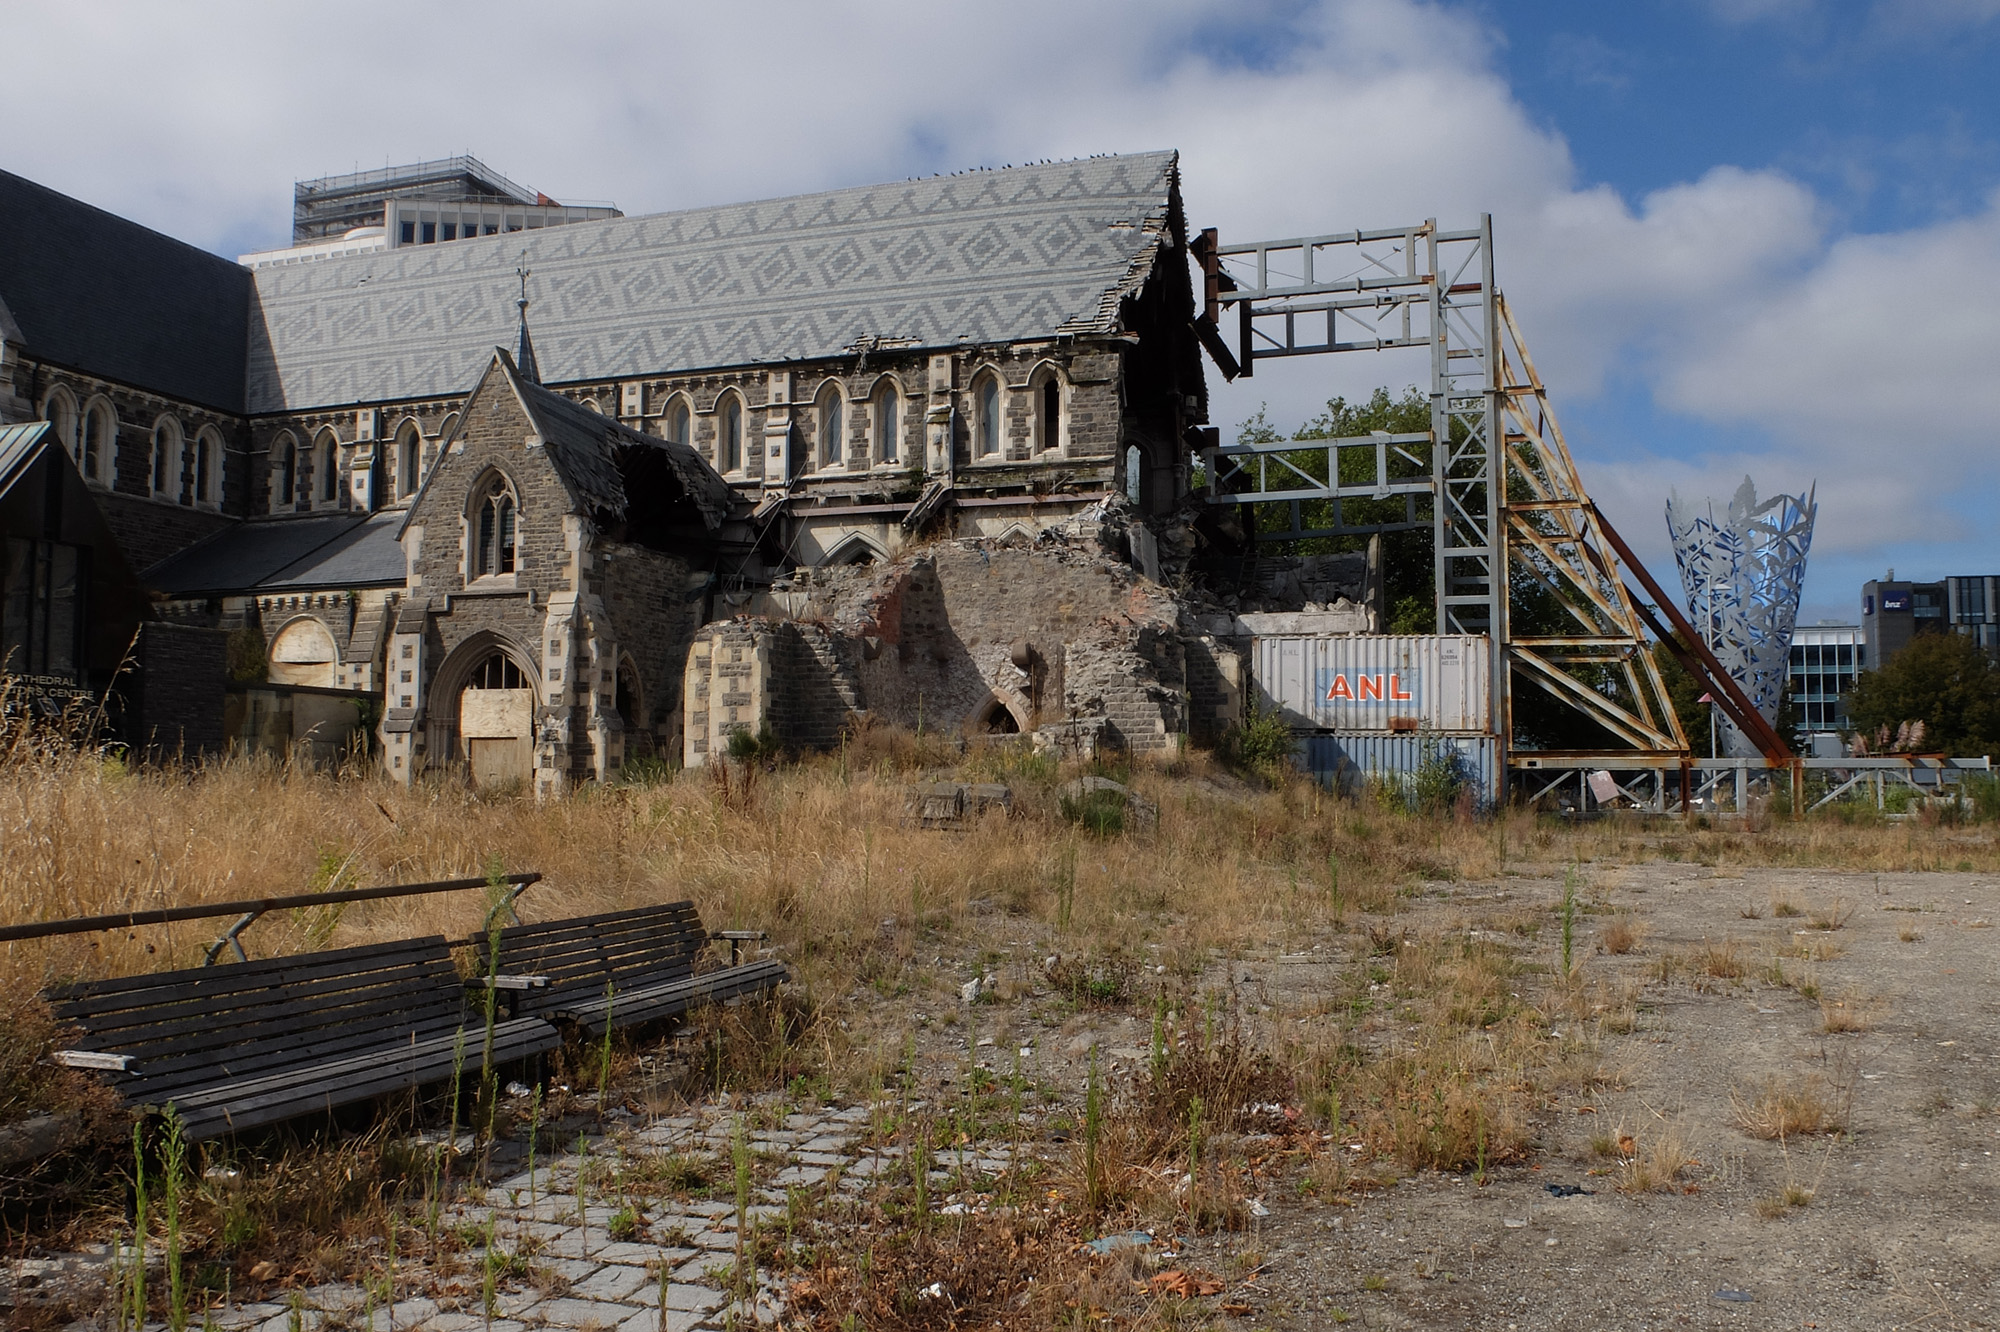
(602,462)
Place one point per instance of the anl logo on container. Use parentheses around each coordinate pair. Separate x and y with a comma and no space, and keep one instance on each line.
(1366,688)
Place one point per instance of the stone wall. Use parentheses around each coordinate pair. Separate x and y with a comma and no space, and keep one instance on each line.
(654,601)
(174,705)
(962,635)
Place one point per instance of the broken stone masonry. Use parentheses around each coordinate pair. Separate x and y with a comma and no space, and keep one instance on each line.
(1068,636)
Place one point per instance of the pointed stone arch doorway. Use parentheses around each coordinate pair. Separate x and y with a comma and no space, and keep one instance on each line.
(489,697)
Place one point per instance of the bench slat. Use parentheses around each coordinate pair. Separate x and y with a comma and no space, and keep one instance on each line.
(245,1044)
(657,1002)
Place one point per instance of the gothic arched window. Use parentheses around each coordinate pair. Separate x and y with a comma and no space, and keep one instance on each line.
(678,420)
(284,472)
(729,434)
(59,410)
(1046,391)
(168,463)
(409,459)
(494,531)
(832,425)
(986,416)
(326,466)
(888,407)
(96,448)
(208,466)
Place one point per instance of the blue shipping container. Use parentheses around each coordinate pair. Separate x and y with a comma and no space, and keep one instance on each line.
(1348,762)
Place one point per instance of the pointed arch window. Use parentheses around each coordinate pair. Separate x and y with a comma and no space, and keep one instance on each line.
(169,464)
(494,536)
(888,413)
(284,472)
(326,467)
(679,422)
(830,411)
(986,416)
(207,467)
(95,448)
(59,410)
(1047,423)
(729,434)
(409,459)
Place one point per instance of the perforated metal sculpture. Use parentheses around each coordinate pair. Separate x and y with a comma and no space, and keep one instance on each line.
(1743,576)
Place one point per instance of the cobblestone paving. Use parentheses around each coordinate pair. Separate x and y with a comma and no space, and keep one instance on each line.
(570,1260)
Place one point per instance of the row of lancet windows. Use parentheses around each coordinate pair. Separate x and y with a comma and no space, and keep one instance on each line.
(312,476)
(834,442)
(174,470)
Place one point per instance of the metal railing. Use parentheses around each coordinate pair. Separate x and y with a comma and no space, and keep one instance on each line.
(249,910)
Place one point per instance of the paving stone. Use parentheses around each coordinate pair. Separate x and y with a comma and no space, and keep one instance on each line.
(648,1320)
(569,1269)
(403,1316)
(458,1322)
(706,1207)
(615,1281)
(335,1297)
(580,1314)
(621,1251)
(799,1176)
(697,1269)
(826,1160)
(825,1142)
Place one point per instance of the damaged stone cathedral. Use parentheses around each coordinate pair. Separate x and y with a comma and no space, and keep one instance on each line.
(918,453)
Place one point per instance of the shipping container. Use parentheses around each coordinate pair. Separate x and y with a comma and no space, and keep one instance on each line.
(1350,764)
(1376,682)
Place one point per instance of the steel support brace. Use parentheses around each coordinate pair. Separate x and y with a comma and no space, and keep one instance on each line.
(1506,507)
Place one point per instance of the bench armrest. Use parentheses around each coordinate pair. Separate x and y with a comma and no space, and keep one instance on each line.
(113,1063)
(736,940)
(509,982)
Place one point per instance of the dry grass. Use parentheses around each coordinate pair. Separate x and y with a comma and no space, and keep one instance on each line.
(1623,935)
(1834,916)
(1794,1107)
(1847,1014)
(820,852)
(1910,934)
(1723,960)
(1655,1160)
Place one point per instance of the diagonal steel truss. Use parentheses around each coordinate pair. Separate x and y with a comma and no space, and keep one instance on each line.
(1493,477)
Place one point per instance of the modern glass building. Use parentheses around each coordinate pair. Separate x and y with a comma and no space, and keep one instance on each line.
(1825,659)
(1973,609)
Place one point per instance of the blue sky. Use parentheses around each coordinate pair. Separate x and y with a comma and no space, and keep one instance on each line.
(1741,236)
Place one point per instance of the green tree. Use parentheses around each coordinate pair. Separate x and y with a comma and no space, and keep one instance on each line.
(1945,681)
(1408,600)
(1685,692)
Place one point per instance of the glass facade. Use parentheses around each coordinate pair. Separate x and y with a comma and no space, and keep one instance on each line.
(41,608)
(1825,660)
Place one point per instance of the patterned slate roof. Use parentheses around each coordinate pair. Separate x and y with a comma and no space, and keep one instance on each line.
(987,256)
(97,293)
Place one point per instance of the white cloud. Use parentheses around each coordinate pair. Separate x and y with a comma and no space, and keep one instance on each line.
(1722,293)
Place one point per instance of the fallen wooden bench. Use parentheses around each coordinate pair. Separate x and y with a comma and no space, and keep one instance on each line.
(625,968)
(247,1044)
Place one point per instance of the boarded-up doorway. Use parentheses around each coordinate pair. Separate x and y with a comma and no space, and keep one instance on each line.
(496,719)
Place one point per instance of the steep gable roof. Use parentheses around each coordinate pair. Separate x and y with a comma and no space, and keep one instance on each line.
(592,453)
(99,294)
(987,256)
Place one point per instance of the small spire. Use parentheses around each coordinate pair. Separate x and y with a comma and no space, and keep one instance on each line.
(524,359)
